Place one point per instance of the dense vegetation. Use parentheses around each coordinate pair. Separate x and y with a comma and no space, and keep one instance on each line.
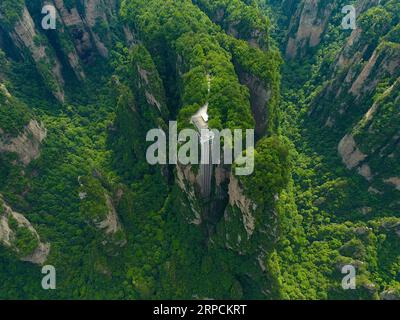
(120,228)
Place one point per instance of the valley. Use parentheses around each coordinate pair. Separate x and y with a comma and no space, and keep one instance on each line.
(76,189)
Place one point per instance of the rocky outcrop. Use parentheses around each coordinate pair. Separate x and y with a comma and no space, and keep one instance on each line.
(27,144)
(98,206)
(111,223)
(311,20)
(26,36)
(83,32)
(390,294)
(189,184)
(90,29)
(307,26)
(75,25)
(356,72)
(11,223)
(245,205)
(86,42)
(67,45)
(395,181)
(377,141)
(384,62)
(361,90)
(349,152)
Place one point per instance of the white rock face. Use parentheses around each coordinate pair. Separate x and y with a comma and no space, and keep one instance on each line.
(349,152)
(27,144)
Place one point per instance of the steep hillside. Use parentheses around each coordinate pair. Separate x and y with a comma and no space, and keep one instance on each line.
(341,100)
(77,191)
(114,77)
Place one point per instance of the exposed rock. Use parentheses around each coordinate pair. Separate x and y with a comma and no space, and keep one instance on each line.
(347,56)
(359,83)
(25,35)
(221,175)
(144,74)
(68,46)
(99,209)
(96,12)
(394,181)
(79,32)
(390,294)
(349,152)
(111,223)
(90,29)
(27,144)
(310,23)
(129,36)
(365,171)
(187,181)
(374,190)
(40,254)
(392,226)
(152,100)
(8,236)
(4,91)
(246,206)
(261,262)
(75,64)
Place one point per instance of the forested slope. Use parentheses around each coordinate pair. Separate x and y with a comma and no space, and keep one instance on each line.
(77,192)
(340,107)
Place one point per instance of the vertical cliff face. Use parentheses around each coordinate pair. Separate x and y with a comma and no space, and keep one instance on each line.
(98,202)
(89,26)
(364,82)
(348,91)
(261,93)
(18,234)
(27,144)
(21,139)
(27,38)
(231,221)
(241,216)
(140,106)
(307,27)
(19,133)
(84,31)
(374,141)
(311,20)
(245,22)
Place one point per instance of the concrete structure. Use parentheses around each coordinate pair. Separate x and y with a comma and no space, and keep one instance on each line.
(200,121)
